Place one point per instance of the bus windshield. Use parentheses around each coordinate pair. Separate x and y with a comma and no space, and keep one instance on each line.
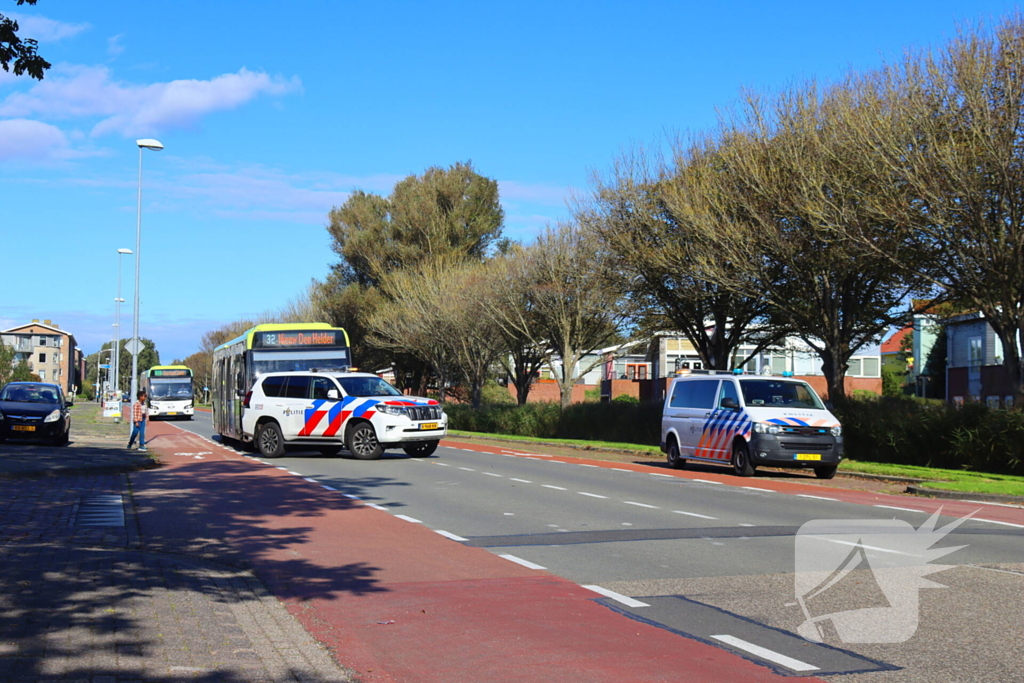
(177,389)
(367,386)
(767,392)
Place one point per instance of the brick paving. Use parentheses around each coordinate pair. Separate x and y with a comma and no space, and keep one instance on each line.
(98,604)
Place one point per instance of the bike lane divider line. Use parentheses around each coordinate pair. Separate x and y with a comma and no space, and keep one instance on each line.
(618,597)
(806,495)
(521,561)
(641,505)
(765,653)
(448,534)
(409,519)
(694,514)
(993,521)
(592,495)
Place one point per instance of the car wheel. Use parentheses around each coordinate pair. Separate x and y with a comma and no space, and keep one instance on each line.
(675,459)
(330,451)
(420,450)
(269,440)
(64,439)
(362,442)
(741,460)
(826,472)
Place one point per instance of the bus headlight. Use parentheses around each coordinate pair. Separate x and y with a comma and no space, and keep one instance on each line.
(837,430)
(766,428)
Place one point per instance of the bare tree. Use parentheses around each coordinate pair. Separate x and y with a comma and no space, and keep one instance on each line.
(953,142)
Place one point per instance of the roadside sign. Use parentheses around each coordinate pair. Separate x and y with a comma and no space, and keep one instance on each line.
(105,366)
(133,346)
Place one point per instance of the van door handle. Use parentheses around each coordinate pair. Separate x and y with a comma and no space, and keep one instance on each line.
(707,414)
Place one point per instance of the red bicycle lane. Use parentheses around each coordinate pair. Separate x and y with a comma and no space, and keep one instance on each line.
(398,602)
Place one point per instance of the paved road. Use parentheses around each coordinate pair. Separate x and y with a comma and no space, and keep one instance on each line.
(712,558)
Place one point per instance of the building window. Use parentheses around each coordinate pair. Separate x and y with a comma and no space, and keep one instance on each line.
(636,371)
(974,351)
(42,358)
(42,341)
(42,375)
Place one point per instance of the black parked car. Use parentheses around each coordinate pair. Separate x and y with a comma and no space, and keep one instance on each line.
(35,410)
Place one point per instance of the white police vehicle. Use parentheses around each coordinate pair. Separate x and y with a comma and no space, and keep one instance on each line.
(748,421)
(330,410)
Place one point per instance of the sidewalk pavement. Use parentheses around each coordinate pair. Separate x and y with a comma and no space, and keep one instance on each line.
(85,597)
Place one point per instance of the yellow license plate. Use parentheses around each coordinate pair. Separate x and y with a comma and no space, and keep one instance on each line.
(24,428)
(808,456)
(172,413)
(428,425)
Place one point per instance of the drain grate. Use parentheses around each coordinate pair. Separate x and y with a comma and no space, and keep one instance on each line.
(107,510)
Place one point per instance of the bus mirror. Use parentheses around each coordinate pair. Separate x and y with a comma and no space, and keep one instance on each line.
(333,394)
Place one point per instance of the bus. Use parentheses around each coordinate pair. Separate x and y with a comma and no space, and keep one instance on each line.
(169,391)
(272,347)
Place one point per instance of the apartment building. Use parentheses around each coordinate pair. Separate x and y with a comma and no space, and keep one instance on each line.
(49,351)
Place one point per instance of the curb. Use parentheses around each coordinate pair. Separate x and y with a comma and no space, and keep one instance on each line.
(880,477)
(959,495)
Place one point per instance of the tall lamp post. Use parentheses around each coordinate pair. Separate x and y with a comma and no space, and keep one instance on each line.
(136,342)
(117,326)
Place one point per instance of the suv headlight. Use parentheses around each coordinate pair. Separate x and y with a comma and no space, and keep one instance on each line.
(391,410)
(837,430)
(766,428)
(52,417)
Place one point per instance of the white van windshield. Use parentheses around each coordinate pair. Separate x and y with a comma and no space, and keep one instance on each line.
(774,393)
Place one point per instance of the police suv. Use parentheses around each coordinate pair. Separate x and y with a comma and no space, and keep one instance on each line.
(747,421)
(330,410)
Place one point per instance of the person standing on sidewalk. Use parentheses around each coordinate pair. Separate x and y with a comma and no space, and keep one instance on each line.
(139,417)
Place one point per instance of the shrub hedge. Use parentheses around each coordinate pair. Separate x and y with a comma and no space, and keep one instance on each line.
(892,430)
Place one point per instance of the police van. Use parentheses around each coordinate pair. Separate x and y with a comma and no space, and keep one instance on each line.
(748,421)
(331,410)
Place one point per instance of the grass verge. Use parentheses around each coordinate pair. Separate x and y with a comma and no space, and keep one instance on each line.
(570,443)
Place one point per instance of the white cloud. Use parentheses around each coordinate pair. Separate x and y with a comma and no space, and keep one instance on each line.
(130,109)
(114,46)
(23,139)
(43,29)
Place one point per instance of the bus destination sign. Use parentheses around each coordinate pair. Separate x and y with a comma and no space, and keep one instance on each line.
(170,373)
(292,339)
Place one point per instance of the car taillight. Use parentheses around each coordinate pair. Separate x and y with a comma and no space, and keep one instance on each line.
(245,401)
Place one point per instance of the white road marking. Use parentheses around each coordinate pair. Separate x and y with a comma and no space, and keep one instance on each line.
(376,507)
(804,495)
(557,488)
(509,514)
(283,468)
(754,488)
(992,521)
(893,507)
(349,495)
(619,469)
(442,464)
(861,545)
(693,514)
(329,488)
(661,474)
(764,653)
(519,560)
(297,474)
(522,481)
(627,524)
(468,469)
(492,474)
(988,502)
(448,534)
(592,495)
(641,505)
(311,480)
(706,481)
(585,465)
(618,597)
(409,519)
(742,524)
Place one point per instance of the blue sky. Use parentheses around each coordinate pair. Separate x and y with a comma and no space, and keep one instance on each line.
(271,113)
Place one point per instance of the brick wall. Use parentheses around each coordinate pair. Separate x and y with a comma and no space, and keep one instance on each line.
(546,390)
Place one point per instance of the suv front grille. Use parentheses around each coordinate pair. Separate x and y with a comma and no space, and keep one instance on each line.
(805,431)
(424,412)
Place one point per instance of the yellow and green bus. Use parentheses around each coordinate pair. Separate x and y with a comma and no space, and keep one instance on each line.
(169,391)
(272,347)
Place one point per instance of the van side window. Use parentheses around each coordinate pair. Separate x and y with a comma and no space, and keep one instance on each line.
(704,392)
(273,386)
(297,387)
(728,391)
(681,395)
(321,386)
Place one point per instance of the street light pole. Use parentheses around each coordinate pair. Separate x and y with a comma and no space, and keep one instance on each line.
(117,326)
(137,343)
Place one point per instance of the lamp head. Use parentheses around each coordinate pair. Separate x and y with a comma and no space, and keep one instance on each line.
(124,251)
(149,143)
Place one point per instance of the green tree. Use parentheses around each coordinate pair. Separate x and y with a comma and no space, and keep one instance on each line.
(6,363)
(21,52)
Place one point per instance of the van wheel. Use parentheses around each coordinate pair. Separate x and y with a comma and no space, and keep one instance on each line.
(269,440)
(741,460)
(362,442)
(420,450)
(675,459)
(826,472)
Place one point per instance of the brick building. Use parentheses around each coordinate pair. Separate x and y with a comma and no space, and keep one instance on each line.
(50,352)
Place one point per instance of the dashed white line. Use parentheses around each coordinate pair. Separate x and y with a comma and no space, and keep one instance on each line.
(805,495)
(693,514)
(523,481)
(409,519)
(742,524)
(640,505)
(297,474)
(329,488)
(519,560)
(893,507)
(442,464)
(707,481)
(492,474)
(376,507)
(861,545)
(311,480)
(661,474)
(988,502)
(592,495)
(764,653)
(349,495)
(754,488)
(585,465)
(283,468)
(618,597)
(618,469)
(557,488)
(468,469)
(448,534)
(992,521)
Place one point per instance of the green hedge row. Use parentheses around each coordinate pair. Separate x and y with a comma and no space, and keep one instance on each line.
(891,430)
